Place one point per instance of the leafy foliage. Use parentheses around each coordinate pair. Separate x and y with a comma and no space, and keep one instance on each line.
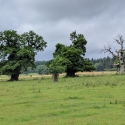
(17,52)
(74,55)
(88,65)
(55,65)
(42,69)
(78,41)
(37,63)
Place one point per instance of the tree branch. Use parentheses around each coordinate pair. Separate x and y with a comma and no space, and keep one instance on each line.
(108,49)
(120,40)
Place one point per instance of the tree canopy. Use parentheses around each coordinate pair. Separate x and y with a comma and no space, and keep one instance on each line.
(74,54)
(17,52)
(56,66)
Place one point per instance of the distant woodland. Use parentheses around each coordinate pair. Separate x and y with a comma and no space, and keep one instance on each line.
(105,64)
(101,64)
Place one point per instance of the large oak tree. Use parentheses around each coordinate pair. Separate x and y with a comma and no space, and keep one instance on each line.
(17,52)
(74,54)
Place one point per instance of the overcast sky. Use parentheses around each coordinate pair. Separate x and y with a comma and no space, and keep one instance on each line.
(98,20)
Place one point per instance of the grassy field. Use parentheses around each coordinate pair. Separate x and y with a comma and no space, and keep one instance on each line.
(91,99)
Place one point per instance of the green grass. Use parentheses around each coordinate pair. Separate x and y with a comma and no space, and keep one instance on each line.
(84,100)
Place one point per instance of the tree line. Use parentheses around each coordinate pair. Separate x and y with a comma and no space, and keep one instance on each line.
(100,64)
(104,64)
(17,55)
(40,68)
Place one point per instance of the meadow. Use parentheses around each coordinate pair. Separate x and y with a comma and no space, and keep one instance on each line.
(90,99)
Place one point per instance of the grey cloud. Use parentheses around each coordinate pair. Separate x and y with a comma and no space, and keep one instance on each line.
(99,20)
(59,9)
(56,10)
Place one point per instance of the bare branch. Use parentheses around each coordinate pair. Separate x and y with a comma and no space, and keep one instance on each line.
(120,40)
(116,40)
(108,49)
(118,53)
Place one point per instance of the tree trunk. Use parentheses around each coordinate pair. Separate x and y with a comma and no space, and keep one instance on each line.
(55,77)
(121,62)
(14,77)
(122,69)
(70,74)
